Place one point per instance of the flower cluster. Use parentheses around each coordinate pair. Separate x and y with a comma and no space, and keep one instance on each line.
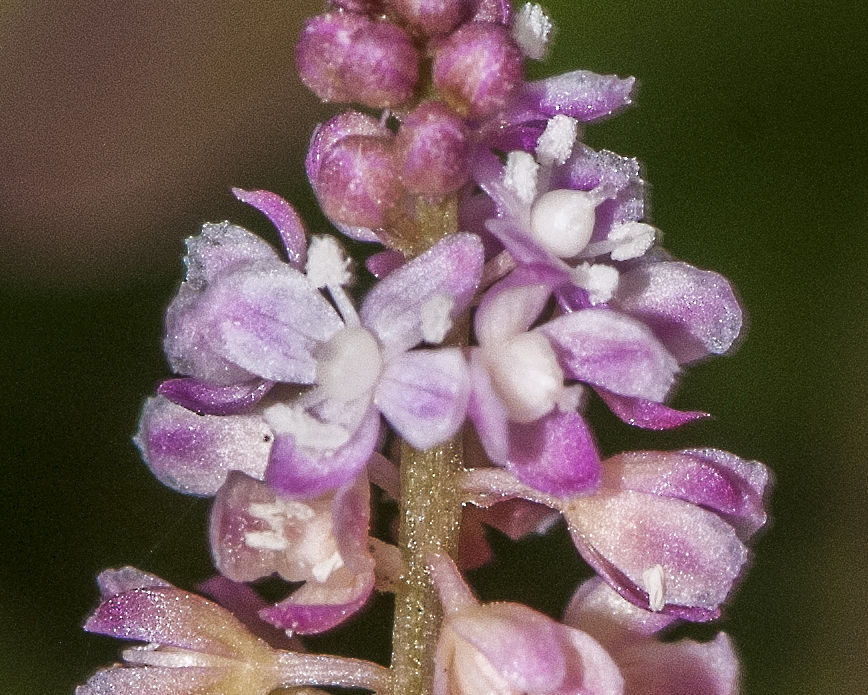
(517,278)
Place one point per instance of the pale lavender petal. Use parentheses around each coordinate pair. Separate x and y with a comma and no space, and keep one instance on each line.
(624,535)
(512,305)
(270,322)
(613,351)
(555,454)
(193,453)
(423,394)
(681,668)
(582,95)
(449,270)
(694,312)
(487,412)
(114,582)
(384,262)
(351,513)
(285,218)
(222,248)
(591,670)
(648,414)
(303,472)
(204,399)
(152,680)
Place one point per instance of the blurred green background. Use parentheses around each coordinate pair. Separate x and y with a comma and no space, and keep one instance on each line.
(122,126)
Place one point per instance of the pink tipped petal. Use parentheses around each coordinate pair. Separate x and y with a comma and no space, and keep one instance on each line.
(285,218)
(648,414)
(204,399)
(154,680)
(681,668)
(555,454)
(450,271)
(694,312)
(625,535)
(193,454)
(487,412)
(608,349)
(269,323)
(423,394)
(303,472)
(582,95)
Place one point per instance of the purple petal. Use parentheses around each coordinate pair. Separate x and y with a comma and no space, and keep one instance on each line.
(114,582)
(270,322)
(519,136)
(582,95)
(624,535)
(487,412)
(152,680)
(285,218)
(648,414)
(194,453)
(694,312)
(304,472)
(205,399)
(384,262)
(393,309)
(423,394)
(608,349)
(555,454)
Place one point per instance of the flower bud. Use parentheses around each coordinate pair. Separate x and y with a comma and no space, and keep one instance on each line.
(358,180)
(433,150)
(477,69)
(346,57)
(433,17)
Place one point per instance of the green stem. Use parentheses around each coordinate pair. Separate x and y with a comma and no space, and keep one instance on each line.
(430,515)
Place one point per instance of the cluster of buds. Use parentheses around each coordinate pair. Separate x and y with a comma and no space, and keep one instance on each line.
(517,279)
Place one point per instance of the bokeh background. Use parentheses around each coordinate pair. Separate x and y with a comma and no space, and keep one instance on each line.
(122,125)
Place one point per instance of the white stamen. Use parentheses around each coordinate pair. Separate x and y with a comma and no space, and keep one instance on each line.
(632,240)
(265,540)
(532,30)
(555,145)
(327,264)
(349,364)
(436,319)
(520,175)
(600,281)
(562,221)
(655,585)
(275,514)
(323,569)
(307,430)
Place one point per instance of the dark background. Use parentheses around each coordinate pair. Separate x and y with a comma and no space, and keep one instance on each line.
(122,126)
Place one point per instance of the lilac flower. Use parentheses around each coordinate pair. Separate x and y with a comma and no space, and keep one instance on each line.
(648,665)
(510,649)
(667,530)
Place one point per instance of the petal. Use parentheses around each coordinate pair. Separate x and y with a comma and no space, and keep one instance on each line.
(512,305)
(285,218)
(555,454)
(694,312)
(384,262)
(223,248)
(487,413)
(303,472)
(423,394)
(580,94)
(204,399)
(624,535)
(269,322)
(152,680)
(114,582)
(194,453)
(608,349)
(393,308)
(648,414)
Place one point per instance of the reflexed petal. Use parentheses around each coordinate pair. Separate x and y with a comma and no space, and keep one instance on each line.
(270,322)
(648,414)
(608,349)
(580,94)
(555,454)
(624,535)
(204,399)
(423,394)
(285,218)
(694,312)
(193,453)
(394,307)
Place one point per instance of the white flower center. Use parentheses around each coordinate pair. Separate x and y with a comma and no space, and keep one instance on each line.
(349,364)
(525,374)
(562,221)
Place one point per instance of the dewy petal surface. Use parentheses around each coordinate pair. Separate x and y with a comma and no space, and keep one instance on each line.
(580,94)
(154,680)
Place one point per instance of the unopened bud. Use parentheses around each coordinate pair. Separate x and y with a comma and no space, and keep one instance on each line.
(433,17)
(433,150)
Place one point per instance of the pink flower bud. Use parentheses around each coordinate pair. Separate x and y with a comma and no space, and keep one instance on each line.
(358,180)
(433,150)
(433,17)
(346,57)
(478,68)
(498,11)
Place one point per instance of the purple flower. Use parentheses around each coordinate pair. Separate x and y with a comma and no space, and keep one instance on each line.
(510,649)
